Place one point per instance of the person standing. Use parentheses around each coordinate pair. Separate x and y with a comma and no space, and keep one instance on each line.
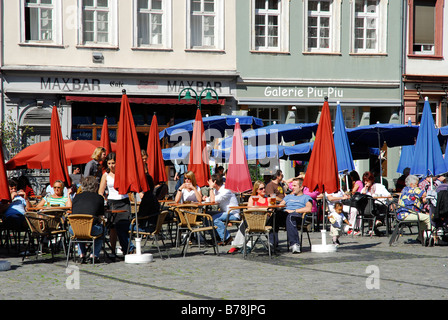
(94,166)
(120,222)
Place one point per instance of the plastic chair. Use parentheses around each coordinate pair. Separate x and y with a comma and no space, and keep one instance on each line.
(154,234)
(81,226)
(190,219)
(256,220)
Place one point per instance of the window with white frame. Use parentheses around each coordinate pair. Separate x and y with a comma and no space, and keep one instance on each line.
(153,22)
(368,26)
(41,21)
(269,115)
(270,25)
(322,26)
(98,22)
(205,24)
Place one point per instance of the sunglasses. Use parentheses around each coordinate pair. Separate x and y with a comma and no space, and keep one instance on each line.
(261,188)
(57,187)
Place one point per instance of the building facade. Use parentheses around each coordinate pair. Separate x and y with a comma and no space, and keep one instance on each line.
(80,54)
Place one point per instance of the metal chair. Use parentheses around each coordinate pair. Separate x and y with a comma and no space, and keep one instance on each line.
(400,224)
(193,226)
(182,224)
(154,234)
(81,226)
(43,227)
(256,220)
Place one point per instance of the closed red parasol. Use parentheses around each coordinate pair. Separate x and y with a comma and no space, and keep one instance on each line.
(199,162)
(4,186)
(156,166)
(238,177)
(105,139)
(58,161)
(129,169)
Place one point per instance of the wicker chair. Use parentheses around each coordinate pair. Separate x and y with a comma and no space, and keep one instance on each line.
(81,226)
(155,234)
(256,220)
(43,227)
(185,221)
(193,225)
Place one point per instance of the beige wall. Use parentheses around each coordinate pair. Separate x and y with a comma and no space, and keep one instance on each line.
(124,57)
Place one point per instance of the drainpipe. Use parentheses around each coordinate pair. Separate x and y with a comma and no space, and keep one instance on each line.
(404,19)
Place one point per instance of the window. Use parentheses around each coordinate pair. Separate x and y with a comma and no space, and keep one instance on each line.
(426,24)
(267,114)
(322,26)
(369,26)
(420,106)
(153,23)
(98,22)
(270,25)
(41,21)
(206,24)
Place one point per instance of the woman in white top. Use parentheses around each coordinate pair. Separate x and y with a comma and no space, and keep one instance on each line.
(189,191)
(119,222)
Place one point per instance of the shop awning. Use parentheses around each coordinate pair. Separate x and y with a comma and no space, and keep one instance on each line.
(172,101)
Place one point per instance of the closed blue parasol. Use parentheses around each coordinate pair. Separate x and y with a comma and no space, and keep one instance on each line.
(274,134)
(406,157)
(343,152)
(219,123)
(428,158)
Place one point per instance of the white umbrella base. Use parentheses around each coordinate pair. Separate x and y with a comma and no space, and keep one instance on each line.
(5,265)
(324,247)
(138,257)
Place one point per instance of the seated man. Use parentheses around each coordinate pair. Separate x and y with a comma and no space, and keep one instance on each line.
(226,199)
(276,186)
(14,216)
(296,204)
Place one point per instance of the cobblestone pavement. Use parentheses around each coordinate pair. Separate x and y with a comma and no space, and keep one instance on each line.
(363,268)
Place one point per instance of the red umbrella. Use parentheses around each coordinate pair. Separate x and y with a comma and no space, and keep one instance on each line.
(37,156)
(238,177)
(198,152)
(156,166)
(4,186)
(322,171)
(129,170)
(58,161)
(105,139)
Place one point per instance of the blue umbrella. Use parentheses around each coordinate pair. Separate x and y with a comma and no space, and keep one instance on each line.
(219,123)
(375,135)
(275,133)
(176,153)
(406,157)
(343,152)
(428,158)
(254,152)
(302,152)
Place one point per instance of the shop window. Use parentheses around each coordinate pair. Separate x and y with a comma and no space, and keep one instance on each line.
(322,26)
(270,25)
(426,24)
(41,21)
(98,22)
(369,26)
(206,24)
(153,23)
(269,115)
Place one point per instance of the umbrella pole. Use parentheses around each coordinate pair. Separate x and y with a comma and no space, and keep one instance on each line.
(324,247)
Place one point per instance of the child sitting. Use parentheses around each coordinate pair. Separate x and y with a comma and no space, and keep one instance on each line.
(336,219)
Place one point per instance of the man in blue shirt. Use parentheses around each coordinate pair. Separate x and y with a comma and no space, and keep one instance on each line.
(296,204)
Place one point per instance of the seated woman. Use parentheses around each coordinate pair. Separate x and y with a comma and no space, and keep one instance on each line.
(58,199)
(189,191)
(413,198)
(90,202)
(375,190)
(257,199)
